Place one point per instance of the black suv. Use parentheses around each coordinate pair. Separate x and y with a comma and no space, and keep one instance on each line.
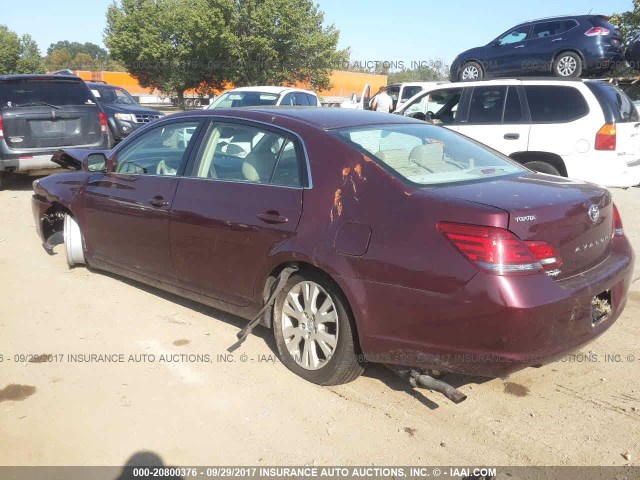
(567,46)
(124,114)
(39,114)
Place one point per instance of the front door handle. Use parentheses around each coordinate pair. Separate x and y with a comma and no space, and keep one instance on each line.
(519,46)
(158,201)
(556,39)
(512,136)
(272,217)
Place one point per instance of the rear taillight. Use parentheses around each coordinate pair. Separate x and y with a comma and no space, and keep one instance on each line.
(1,130)
(618,231)
(545,254)
(103,122)
(597,32)
(606,137)
(493,249)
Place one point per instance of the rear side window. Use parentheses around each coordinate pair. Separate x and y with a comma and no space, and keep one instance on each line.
(555,104)
(614,102)
(36,92)
(313,101)
(548,29)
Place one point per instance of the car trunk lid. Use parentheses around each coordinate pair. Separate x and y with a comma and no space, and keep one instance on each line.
(40,112)
(50,127)
(575,218)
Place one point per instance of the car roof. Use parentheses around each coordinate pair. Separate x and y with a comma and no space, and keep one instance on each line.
(40,77)
(101,84)
(322,118)
(269,89)
(563,17)
(511,81)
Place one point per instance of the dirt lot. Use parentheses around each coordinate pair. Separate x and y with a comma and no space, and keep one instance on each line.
(253,411)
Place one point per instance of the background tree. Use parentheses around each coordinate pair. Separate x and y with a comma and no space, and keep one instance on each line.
(282,42)
(74,48)
(9,50)
(629,24)
(58,60)
(433,70)
(171,45)
(30,60)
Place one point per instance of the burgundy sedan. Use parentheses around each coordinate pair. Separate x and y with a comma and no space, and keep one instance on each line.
(403,243)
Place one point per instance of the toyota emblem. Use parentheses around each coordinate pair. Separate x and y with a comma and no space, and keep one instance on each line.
(594,213)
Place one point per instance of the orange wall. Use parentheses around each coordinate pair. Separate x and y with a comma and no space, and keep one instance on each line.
(343,83)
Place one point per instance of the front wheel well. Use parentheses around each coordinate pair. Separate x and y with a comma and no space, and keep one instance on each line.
(307,267)
(547,157)
(53,219)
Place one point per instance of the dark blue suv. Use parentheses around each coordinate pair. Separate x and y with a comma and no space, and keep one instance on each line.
(568,46)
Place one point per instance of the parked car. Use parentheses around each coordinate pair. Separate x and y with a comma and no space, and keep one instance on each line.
(380,236)
(39,114)
(124,114)
(632,52)
(265,96)
(568,46)
(583,129)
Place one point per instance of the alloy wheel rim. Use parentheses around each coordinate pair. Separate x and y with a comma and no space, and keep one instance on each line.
(470,73)
(310,325)
(567,66)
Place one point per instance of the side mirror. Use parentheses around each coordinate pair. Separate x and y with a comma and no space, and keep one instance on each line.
(95,162)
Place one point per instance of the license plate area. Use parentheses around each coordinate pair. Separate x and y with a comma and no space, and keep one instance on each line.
(600,307)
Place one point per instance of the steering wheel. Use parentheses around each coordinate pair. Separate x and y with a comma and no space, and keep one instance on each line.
(419,116)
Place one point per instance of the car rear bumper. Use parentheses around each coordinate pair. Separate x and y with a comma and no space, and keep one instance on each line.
(34,165)
(495,325)
(604,168)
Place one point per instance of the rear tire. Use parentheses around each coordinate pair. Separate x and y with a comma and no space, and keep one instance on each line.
(313,331)
(470,71)
(567,65)
(543,167)
(73,242)
(3,177)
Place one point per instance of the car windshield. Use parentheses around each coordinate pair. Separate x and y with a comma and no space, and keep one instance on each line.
(113,95)
(428,155)
(244,99)
(36,92)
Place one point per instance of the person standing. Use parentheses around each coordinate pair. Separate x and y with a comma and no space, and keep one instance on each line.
(383,102)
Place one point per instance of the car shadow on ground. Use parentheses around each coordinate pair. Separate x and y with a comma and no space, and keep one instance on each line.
(373,370)
(215,314)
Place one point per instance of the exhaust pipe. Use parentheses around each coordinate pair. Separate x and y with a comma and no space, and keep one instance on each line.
(418,379)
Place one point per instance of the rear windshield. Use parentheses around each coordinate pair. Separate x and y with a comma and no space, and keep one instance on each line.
(34,92)
(616,104)
(427,155)
(245,99)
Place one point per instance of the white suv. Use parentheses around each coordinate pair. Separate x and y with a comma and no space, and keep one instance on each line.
(583,129)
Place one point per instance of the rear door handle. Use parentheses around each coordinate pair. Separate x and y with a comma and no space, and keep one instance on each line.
(556,39)
(519,46)
(272,217)
(512,136)
(158,201)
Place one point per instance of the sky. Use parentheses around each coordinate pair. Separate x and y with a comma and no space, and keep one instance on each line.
(393,31)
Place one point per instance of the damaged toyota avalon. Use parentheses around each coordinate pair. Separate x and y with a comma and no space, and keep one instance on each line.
(355,236)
